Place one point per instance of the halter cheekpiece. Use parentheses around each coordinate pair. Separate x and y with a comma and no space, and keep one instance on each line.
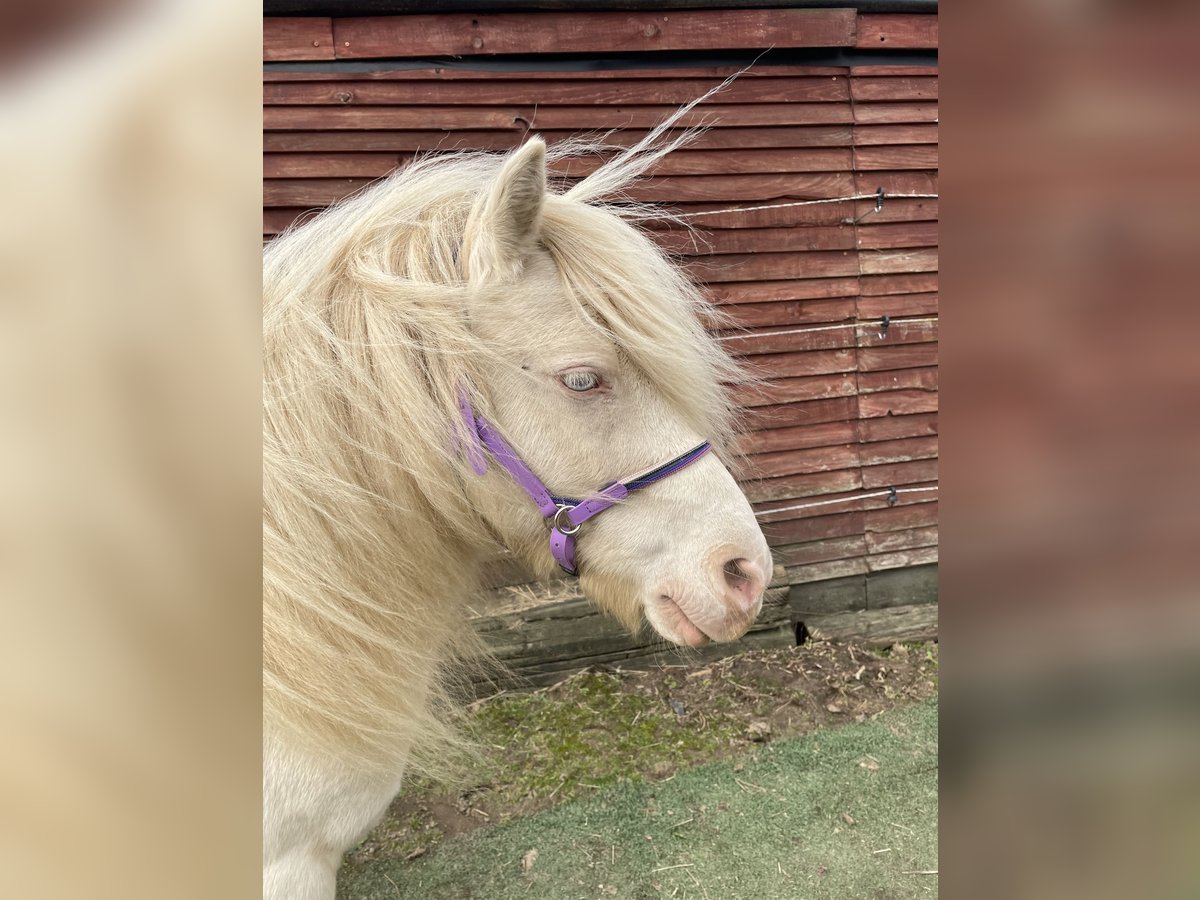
(564,515)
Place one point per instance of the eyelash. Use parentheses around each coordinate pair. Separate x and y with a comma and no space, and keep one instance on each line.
(591,381)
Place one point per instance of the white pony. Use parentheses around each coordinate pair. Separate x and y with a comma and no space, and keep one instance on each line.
(566,329)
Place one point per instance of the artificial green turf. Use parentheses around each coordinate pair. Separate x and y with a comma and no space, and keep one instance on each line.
(801,818)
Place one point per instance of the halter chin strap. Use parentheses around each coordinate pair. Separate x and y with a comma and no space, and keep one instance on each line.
(566,516)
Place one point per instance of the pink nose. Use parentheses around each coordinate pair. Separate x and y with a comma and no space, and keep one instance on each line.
(744,585)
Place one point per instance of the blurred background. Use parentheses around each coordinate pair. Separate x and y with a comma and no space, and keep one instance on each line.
(129,681)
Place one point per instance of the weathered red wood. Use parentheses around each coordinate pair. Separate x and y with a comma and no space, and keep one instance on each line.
(897,235)
(878,453)
(302,37)
(838,568)
(820,551)
(892,541)
(790,390)
(898,305)
(898,380)
(454,34)
(792,365)
(896,157)
(902,560)
(792,487)
(675,91)
(905,514)
(894,113)
(771,291)
(893,88)
(891,31)
(757,266)
(796,462)
(884,285)
(884,262)
(893,71)
(790,312)
(448,73)
(904,356)
(798,437)
(773,214)
(896,183)
(784,137)
(785,342)
(683,162)
(900,331)
(898,403)
(890,428)
(917,471)
(884,135)
(898,209)
(757,240)
(833,409)
(813,528)
(525,116)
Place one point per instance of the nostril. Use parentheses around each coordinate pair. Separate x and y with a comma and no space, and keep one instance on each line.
(743,582)
(735,575)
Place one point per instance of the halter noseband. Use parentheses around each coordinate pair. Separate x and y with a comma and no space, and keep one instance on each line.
(566,516)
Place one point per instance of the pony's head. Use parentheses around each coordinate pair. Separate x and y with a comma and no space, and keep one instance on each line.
(598,368)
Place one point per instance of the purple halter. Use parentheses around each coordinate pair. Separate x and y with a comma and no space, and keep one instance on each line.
(566,516)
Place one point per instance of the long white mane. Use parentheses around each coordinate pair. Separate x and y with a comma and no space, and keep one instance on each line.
(369,547)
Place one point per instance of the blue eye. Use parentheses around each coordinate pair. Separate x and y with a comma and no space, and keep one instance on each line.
(581,381)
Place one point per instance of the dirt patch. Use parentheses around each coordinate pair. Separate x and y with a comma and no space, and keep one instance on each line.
(546,746)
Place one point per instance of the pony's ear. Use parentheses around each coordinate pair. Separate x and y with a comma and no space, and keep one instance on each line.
(505,225)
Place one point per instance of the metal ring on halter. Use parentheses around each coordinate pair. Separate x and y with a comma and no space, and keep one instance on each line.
(555,523)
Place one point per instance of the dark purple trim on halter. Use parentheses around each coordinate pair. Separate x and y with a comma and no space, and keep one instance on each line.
(565,515)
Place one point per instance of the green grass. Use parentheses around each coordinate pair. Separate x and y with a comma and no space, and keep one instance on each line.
(800,818)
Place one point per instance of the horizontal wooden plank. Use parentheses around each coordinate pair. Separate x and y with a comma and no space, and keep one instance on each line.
(881,452)
(798,437)
(887,285)
(895,305)
(890,428)
(902,560)
(916,471)
(454,34)
(898,379)
(682,162)
(789,312)
(884,262)
(904,356)
(825,571)
(581,118)
(821,551)
(766,266)
(417,72)
(896,157)
(792,487)
(890,236)
(772,291)
(758,240)
(900,331)
(877,627)
(790,390)
(773,213)
(797,462)
(409,141)
(297,38)
(324,191)
(832,409)
(814,528)
(787,342)
(898,403)
(893,88)
(891,541)
(893,71)
(895,183)
(897,209)
(892,31)
(904,515)
(894,113)
(791,365)
(675,91)
(884,135)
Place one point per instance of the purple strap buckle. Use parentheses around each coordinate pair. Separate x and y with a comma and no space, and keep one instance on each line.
(566,516)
